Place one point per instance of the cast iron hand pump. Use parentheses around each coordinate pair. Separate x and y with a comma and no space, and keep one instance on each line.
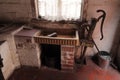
(102,22)
(90,29)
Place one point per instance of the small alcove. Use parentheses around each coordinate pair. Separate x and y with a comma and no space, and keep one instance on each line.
(51,56)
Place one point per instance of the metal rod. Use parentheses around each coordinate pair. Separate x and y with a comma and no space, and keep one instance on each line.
(95,45)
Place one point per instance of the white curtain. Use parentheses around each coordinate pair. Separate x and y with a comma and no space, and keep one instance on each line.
(60,9)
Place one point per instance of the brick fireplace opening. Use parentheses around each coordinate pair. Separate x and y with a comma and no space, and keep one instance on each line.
(51,55)
(59,51)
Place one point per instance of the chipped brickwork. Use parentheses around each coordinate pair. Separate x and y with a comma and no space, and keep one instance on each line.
(67,57)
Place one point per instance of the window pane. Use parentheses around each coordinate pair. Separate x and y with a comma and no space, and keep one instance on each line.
(42,8)
(60,9)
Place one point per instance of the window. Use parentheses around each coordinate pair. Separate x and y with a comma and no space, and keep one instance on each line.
(60,9)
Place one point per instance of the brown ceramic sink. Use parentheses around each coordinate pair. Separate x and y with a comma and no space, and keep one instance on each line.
(58,37)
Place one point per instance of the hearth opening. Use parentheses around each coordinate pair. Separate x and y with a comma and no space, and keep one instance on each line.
(51,55)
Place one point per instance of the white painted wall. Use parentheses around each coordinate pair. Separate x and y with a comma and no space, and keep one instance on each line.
(8,67)
(28,51)
(9,37)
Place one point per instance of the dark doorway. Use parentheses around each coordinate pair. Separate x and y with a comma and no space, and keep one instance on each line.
(51,55)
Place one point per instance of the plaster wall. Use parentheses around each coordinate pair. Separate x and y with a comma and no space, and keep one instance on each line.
(8,66)
(111,7)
